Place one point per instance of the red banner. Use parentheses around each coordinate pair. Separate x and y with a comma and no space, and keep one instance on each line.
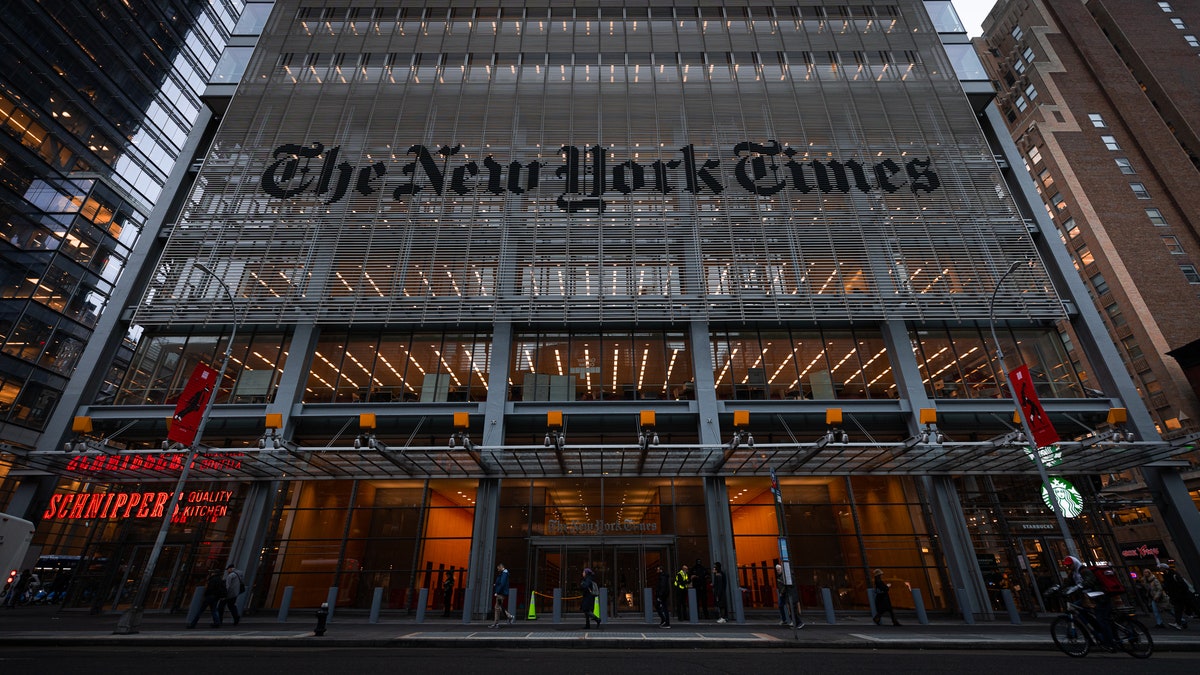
(192,402)
(1031,408)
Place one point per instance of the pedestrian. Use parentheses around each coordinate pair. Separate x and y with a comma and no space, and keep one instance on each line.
(789,614)
(234,585)
(1155,595)
(447,594)
(499,595)
(590,603)
(214,594)
(700,583)
(883,601)
(662,591)
(719,592)
(1180,593)
(683,581)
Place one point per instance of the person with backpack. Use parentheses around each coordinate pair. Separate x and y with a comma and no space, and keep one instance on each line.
(591,594)
(214,594)
(499,595)
(234,585)
(1103,584)
(1180,594)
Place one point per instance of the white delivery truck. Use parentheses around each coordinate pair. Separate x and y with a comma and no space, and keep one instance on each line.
(15,535)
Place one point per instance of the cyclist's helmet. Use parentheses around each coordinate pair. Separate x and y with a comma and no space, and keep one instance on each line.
(1071,562)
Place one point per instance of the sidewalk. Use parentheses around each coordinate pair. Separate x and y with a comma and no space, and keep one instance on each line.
(51,626)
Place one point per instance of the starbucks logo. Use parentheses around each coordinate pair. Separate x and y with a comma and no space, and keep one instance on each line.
(1068,498)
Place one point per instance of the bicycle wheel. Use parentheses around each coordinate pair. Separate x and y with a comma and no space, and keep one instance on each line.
(1070,636)
(1133,637)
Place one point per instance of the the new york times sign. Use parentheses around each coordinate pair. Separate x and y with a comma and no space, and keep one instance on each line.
(586,177)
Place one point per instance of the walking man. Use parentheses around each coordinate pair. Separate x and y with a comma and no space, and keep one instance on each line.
(234,585)
(499,595)
(718,586)
(662,591)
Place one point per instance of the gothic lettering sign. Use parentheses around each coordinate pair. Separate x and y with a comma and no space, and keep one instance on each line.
(586,177)
(571,527)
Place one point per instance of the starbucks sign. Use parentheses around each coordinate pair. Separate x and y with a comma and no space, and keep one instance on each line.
(1068,498)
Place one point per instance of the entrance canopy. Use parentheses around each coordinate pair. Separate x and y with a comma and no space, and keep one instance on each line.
(817,458)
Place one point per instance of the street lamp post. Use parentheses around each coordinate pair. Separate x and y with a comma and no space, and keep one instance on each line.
(131,619)
(1012,391)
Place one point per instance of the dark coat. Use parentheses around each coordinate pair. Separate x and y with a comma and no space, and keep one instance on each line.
(883,601)
(215,588)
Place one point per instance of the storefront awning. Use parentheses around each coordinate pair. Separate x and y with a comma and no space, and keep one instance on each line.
(820,458)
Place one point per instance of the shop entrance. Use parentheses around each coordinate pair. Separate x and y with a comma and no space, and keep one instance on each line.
(1040,557)
(624,567)
(108,579)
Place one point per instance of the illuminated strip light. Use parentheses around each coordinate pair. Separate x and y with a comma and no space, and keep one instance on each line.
(953,363)
(343,375)
(810,365)
(265,285)
(852,352)
(265,360)
(372,282)
(587,371)
(343,280)
(449,371)
(936,354)
(782,365)
(746,379)
(865,366)
(936,279)
(414,361)
(616,367)
(478,372)
(642,369)
(671,366)
(529,361)
(364,368)
(724,370)
(558,361)
(880,377)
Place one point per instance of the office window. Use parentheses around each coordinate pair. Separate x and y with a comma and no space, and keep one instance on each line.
(1165,6)
(1085,255)
(1058,201)
(1172,244)
(1110,142)
(1190,273)
(1192,41)
(1022,104)
(1028,54)
(1132,348)
(1099,284)
(1035,155)
(1071,228)
(1045,177)
(1156,217)
(1178,23)
(1139,191)
(1019,66)
(1124,165)
(1017,33)
(1114,315)
(1031,92)
(1097,120)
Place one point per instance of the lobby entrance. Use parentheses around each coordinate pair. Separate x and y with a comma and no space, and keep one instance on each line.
(622,565)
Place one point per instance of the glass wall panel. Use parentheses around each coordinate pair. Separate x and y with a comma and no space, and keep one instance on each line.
(588,367)
(162,365)
(960,363)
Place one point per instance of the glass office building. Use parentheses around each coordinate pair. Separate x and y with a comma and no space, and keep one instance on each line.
(568,285)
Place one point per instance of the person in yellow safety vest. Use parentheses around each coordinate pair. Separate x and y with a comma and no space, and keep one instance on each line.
(682,581)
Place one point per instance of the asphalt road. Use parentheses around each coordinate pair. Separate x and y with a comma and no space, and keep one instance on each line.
(176,660)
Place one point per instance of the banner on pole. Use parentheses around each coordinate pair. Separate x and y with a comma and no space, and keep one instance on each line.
(192,402)
(1031,408)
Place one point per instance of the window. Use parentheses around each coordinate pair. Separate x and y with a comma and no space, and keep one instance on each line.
(1085,255)
(1019,66)
(1058,201)
(1139,191)
(1099,284)
(1156,217)
(1178,23)
(1124,165)
(1028,54)
(1165,6)
(1114,315)
(1017,33)
(1031,92)
(1035,155)
(1045,177)
(1132,348)
(1173,244)
(1097,120)
(1110,142)
(1071,228)
(1192,41)
(1022,104)
(1190,273)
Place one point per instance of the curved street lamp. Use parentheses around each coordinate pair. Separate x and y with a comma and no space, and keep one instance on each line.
(131,619)
(1012,392)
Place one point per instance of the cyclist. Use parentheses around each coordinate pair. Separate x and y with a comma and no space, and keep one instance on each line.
(1080,578)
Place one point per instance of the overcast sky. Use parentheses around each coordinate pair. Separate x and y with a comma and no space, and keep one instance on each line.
(972,13)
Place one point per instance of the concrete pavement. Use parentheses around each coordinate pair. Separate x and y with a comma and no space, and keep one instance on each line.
(42,625)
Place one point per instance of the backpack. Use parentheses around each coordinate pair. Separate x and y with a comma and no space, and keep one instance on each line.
(1107,580)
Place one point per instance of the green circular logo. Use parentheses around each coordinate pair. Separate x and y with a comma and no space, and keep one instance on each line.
(1068,498)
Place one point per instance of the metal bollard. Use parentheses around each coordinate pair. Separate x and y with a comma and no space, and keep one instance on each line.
(1013,615)
(693,614)
(322,615)
(422,600)
(286,603)
(919,604)
(376,603)
(557,607)
(648,603)
(827,600)
(331,600)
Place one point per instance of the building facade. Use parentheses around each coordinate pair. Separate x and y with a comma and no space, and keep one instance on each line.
(1097,97)
(614,286)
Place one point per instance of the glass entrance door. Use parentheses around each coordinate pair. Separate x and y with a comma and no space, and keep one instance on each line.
(161,584)
(623,568)
(1040,564)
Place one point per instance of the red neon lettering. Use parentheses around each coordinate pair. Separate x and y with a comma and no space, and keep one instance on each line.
(81,502)
(120,500)
(134,500)
(159,504)
(95,500)
(64,506)
(147,502)
(52,507)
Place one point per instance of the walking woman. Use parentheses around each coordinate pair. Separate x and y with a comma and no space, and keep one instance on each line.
(591,593)
(883,601)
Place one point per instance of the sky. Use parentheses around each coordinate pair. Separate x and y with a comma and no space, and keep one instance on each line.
(972,13)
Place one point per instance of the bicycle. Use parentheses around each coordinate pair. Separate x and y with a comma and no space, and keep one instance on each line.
(1078,630)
